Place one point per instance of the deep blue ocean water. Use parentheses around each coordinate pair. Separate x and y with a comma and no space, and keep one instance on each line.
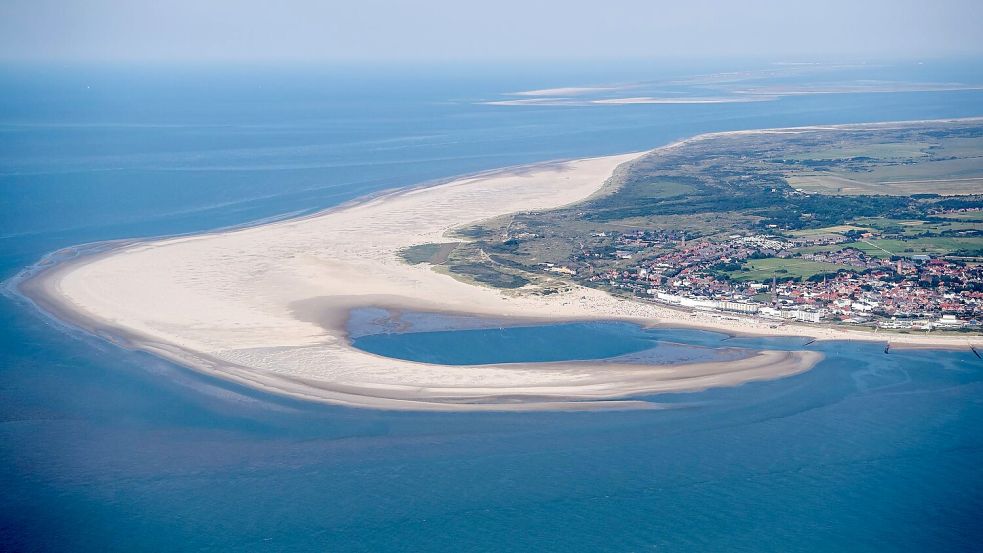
(107,450)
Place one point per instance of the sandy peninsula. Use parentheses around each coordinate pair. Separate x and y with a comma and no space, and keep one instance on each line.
(266,306)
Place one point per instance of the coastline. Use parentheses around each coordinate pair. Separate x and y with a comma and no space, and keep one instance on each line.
(265,305)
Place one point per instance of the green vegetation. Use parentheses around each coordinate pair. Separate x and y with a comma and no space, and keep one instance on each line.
(836,229)
(435,254)
(928,227)
(761,270)
(975,216)
(469,262)
(645,189)
(887,248)
(887,151)
(905,161)
(486,274)
(925,246)
(885,191)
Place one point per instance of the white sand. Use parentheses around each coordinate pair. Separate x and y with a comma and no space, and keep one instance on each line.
(265,306)
(681,100)
(569,90)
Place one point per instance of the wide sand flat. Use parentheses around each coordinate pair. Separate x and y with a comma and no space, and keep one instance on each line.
(265,306)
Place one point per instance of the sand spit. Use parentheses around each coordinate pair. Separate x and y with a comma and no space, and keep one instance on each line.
(265,306)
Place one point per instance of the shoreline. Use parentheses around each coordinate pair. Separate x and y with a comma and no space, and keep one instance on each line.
(247,303)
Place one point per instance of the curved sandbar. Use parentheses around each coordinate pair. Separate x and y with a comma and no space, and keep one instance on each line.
(265,306)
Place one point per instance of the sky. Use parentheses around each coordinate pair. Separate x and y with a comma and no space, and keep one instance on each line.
(493,30)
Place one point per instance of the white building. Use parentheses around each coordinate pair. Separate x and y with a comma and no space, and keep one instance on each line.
(949,321)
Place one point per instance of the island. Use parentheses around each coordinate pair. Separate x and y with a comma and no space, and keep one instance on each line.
(865,226)
(754,232)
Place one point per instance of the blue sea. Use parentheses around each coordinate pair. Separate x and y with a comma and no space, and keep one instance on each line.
(103,449)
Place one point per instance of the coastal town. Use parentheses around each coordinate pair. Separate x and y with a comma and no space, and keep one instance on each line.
(817,278)
(815,227)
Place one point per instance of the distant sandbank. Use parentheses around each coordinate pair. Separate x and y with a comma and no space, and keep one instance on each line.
(266,306)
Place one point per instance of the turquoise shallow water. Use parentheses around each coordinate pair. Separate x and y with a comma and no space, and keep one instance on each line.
(107,450)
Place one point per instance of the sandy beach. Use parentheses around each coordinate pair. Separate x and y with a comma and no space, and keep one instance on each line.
(266,306)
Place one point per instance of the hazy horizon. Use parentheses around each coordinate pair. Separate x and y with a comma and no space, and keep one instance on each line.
(443,31)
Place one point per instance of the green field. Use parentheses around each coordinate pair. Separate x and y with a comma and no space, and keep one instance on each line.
(966,216)
(914,228)
(937,246)
(895,150)
(837,229)
(662,188)
(926,246)
(885,182)
(762,270)
(855,165)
